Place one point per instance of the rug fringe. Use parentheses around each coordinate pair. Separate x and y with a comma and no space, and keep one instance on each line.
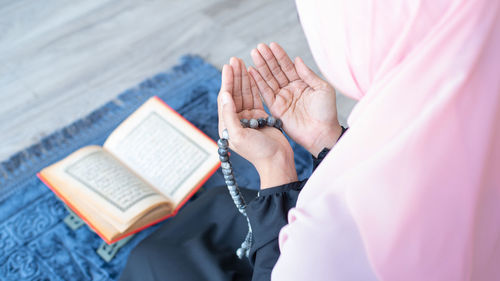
(22,164)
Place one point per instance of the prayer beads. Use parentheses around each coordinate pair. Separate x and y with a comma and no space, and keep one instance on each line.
(227,171)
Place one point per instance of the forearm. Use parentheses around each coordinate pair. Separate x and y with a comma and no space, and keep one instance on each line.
(277,171)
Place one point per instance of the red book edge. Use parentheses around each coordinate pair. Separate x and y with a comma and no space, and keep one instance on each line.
(176,210)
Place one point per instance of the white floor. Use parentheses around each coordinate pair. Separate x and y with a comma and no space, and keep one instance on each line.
(61,59)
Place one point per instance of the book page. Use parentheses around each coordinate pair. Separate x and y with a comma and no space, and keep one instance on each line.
(164,149)
(108,186)
(104,175)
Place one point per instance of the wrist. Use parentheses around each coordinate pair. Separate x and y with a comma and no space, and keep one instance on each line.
(326,139)
(276,171)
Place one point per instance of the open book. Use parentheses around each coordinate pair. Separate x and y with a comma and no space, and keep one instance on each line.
(145,171)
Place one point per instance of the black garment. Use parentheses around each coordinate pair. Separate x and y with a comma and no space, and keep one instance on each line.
(268,214)
(200,242)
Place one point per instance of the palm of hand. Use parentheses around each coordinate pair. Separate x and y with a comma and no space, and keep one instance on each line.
(305,103)
(264,142)
(304,110)
(254,145)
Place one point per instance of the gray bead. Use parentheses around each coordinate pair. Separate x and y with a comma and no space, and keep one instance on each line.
(225,134)
(223,143)
(223,158)
(249,237)
(227,171)
(233,192)
(271,121)
(231,187)
(223,151)
(278,124)
(262,122)
(230,183)
(244,244)
(240,253)
(229,177)
(254,123)
(226,165)
(244,123)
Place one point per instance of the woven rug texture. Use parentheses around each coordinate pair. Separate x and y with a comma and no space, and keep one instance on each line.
(35,244)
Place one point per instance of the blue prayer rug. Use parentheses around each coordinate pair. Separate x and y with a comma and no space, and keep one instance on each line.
(35,243)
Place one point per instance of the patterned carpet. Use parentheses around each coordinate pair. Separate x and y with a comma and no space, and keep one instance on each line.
(35,244)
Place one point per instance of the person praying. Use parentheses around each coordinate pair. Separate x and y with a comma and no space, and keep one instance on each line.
(410,191)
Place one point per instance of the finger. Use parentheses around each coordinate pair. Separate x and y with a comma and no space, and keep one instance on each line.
(231,120)
(265,90)
(227,79)
(284,61)
(264,70)
(257,102)
(307,75)
(273,65)
(226,86)
(246,91)
(238,98)
(219,115)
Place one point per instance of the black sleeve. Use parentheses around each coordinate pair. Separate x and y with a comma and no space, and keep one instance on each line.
(324,152)
(268,214)
(320,158)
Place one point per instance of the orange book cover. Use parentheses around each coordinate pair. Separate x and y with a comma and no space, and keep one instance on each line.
(179,206)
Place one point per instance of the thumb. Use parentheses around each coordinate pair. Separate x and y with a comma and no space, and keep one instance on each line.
(230,117)
(307,75)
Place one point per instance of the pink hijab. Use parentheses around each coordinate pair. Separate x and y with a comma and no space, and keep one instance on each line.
(419,169)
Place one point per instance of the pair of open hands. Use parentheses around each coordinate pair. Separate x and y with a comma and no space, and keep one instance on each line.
(292,92)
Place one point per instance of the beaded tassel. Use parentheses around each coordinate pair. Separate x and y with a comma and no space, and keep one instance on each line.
(227,171)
